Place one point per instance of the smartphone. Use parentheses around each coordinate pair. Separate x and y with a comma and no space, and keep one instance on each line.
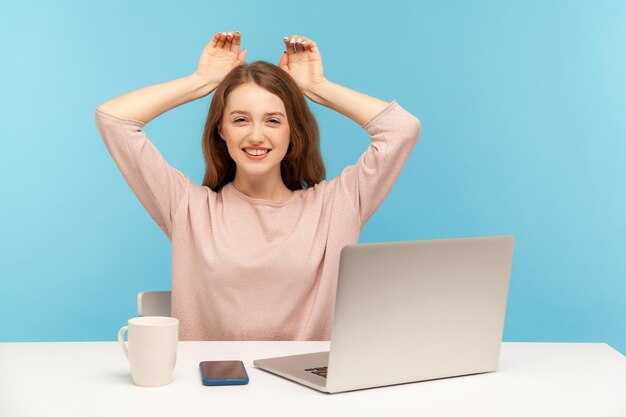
(223,373)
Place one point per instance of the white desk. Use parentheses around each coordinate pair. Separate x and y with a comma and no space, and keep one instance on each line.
(93,379)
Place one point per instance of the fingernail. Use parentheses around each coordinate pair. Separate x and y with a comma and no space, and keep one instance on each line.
(292,40)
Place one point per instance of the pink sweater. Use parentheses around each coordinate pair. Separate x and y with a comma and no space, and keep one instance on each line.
(251,269)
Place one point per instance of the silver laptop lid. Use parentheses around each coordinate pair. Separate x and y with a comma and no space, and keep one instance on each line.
(418,310)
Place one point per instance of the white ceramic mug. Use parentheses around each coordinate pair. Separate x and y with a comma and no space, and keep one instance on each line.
(151,352)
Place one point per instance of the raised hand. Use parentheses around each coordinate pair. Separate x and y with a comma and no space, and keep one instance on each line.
(219,56)
(303,62)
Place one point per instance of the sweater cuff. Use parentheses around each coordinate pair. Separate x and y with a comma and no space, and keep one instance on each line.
(119,119)
(367,125)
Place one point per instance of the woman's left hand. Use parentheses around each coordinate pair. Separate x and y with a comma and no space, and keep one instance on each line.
(303,62)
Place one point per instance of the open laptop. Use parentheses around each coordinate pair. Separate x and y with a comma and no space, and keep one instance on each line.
(410,311)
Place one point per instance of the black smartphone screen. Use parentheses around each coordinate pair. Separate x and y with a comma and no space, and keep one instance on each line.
(223,370)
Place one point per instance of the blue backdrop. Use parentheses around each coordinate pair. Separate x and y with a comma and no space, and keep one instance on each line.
(524,132)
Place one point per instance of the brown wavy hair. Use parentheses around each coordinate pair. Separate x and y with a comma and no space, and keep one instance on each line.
(302,167)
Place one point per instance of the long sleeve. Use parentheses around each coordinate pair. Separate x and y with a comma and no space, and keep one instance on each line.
(159,187)
(394,133)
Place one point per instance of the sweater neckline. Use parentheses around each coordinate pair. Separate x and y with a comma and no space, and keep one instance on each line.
(241,195)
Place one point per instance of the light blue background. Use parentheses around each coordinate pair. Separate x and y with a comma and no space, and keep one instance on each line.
(523,107)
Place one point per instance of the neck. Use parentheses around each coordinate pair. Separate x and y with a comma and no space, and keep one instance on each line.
(262,189)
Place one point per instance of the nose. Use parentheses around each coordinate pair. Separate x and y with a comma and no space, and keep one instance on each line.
(256,136)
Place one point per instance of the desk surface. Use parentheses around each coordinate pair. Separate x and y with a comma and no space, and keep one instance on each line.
(93,379)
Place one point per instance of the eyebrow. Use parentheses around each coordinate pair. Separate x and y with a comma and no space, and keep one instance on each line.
(266,114)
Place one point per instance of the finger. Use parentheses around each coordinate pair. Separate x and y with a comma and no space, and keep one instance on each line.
(296,42)
(283,61)
(292,44)
(236,43)
(309,45)
(241,57)
(299,45)
(215,40)
(289,47)
(229,41)
(222,41)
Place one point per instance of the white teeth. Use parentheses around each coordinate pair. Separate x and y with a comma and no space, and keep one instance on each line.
(255,151)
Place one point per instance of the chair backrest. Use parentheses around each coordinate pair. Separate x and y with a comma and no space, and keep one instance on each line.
(154,303)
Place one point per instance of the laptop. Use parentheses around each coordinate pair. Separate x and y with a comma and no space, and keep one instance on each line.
(410,311)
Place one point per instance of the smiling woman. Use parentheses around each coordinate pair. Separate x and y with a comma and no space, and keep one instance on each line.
(254,107)
(255,248)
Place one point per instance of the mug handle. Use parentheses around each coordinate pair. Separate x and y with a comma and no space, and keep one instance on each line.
(120,338)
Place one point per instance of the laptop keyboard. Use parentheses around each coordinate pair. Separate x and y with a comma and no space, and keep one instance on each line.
(321,371)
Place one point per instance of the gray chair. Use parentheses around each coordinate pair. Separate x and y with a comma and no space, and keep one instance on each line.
(154,303)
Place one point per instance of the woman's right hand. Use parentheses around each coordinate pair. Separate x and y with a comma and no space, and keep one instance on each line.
(221,55)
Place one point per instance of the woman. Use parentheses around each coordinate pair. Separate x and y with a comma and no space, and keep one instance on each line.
(255,249)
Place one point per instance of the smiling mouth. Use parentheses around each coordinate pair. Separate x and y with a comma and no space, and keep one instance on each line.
(257,153)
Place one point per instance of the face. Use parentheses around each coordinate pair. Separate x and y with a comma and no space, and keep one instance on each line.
(254,117)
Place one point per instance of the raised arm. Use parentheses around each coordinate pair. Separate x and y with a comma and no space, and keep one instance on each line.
(219,56)
(353,104)
(159,187)
(393,130)
(149,102)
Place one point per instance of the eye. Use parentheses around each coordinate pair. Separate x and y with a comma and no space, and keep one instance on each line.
(237,120)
